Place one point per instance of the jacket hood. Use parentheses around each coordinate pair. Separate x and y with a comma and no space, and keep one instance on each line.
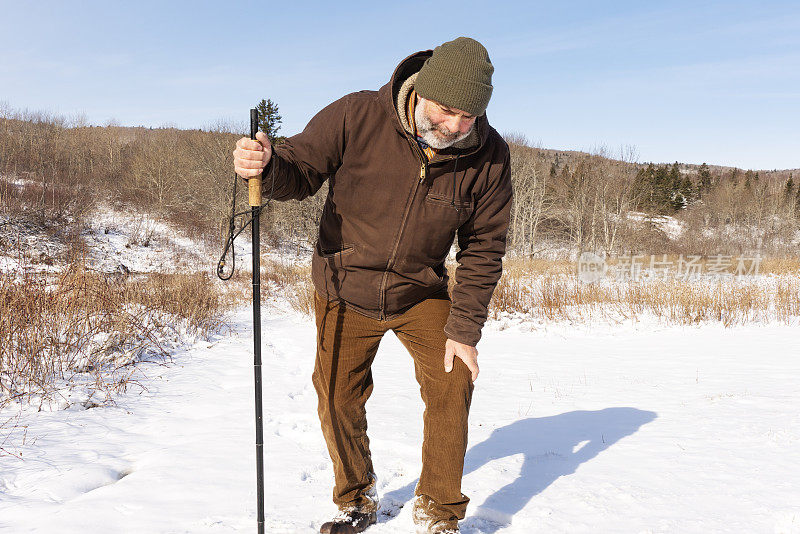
(398,88)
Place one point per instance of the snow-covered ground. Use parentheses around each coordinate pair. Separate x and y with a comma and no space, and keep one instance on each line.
(134,242)
(117,241)
(671,226)
(626,429)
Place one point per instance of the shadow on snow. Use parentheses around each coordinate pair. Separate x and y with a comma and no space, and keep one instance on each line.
(547,444)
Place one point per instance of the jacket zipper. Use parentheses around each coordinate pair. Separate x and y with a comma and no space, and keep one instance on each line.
(423,173)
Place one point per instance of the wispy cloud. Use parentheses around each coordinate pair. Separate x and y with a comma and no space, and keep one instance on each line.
(539,40)
(731,76)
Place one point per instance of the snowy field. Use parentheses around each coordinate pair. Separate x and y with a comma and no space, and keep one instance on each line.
(615,429)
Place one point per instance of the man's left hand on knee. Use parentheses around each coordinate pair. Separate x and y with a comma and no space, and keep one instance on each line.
(467,353)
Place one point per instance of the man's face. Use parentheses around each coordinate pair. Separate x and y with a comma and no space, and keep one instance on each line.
(441,126)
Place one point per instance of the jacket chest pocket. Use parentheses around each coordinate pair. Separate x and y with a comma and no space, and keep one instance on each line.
(445,208)
(336,257)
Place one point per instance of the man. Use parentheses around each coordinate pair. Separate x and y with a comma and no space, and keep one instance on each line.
(411,166)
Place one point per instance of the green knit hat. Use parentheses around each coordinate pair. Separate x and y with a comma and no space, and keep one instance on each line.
(458,75)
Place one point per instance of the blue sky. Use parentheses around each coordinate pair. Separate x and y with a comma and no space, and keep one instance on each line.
(688,81)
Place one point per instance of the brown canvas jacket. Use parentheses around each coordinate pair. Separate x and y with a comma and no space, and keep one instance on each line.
(391,216)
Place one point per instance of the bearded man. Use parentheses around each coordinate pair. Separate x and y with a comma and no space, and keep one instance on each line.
(411,167)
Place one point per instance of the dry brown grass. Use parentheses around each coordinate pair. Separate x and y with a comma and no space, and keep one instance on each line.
(278,278)
(674,300)
(86,322)
(83,322)
(783,265)
(302,298)
(549,290)
(533,266)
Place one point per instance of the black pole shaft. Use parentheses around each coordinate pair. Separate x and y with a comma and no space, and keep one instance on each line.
(256,214)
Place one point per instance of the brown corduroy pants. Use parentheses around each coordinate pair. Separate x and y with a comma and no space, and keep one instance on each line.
(347,342)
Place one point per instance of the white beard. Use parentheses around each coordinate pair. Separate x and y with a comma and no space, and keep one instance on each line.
(425,129)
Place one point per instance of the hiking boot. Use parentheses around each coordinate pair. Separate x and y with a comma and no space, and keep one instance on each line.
(438,527)
(426,523)
(356,520)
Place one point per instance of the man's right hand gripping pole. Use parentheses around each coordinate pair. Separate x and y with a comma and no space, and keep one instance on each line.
(250,158)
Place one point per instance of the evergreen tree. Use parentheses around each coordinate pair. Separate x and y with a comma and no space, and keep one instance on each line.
(705,180)
(687,190)
(269,120)
(645,182)
(748,179)
(665,189)
(735,176)
(675,195)
(789,189)
(796,199)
